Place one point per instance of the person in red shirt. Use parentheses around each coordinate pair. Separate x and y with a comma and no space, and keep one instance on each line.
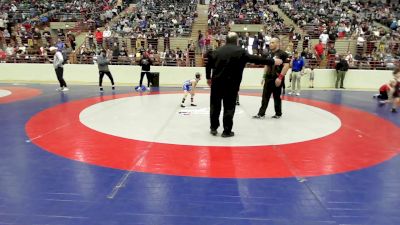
(99,38)
(207,41)
(3,55)
(319,51)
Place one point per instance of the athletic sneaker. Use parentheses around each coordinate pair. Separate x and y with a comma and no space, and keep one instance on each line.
(297,94)
(290,93)
(394,111)
(193,104)
(101,89)
(182,106)
(59,89)
(113,88)
(258,117)
(65,89)
(275,117)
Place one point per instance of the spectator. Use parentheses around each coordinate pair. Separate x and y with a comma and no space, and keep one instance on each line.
(324,37)
(99,38)
(107,37)
(71,40)
(90,38)
(319,50)
(331,56)
(341,69)
(10,51)
(297,64)
(192,56)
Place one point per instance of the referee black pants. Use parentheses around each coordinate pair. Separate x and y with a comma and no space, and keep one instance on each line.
(223,93)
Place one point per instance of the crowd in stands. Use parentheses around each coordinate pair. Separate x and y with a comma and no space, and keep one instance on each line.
(331,21)
(159,18)
(223,13)
(40,12)
(138,33)
(120,53)
(333,18)
(98,12)
(29,37)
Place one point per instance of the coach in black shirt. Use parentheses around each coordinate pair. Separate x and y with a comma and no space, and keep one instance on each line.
(272,80)
(145,63)
(226,64)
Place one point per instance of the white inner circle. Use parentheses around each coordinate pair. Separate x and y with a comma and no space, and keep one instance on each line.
(4,93)
(159,118)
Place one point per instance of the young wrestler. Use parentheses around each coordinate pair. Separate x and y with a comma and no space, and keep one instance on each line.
(188,87)
(386,92)
(396,91)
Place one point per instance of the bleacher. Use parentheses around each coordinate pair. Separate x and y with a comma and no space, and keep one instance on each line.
(150,21)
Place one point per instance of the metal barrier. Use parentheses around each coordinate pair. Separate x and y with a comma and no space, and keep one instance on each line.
(328,63)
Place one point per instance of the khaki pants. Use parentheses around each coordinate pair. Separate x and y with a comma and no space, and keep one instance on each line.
(340,77)
(296,78)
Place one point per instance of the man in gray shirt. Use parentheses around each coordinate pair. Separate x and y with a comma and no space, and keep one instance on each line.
(102,63)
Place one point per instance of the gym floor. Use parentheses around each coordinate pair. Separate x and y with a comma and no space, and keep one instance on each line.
(138,158)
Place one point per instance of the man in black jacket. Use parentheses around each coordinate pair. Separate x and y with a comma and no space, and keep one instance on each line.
(226,64)
(341,68)
(145,63)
